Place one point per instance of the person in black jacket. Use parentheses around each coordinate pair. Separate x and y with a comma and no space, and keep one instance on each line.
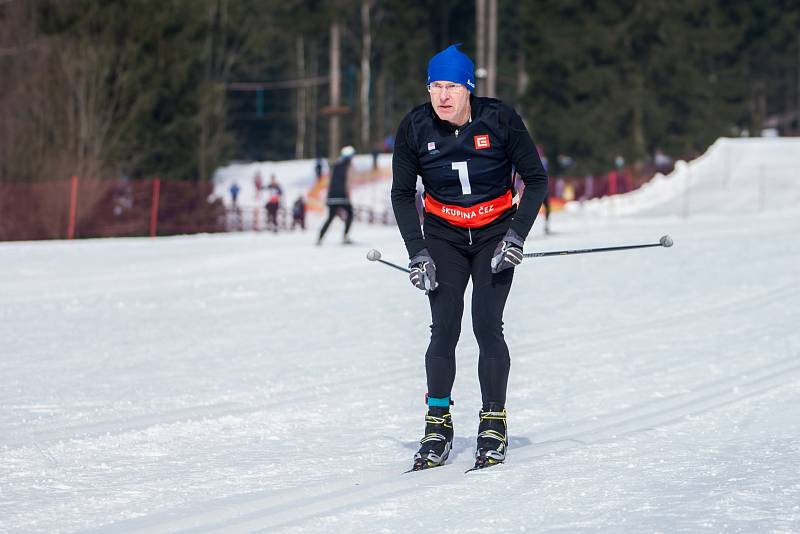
(466,149)
(339,194)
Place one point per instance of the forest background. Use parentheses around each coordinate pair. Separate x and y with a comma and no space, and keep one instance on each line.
(177,88)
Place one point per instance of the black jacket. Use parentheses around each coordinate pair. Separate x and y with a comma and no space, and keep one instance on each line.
(337,188)
(463,167)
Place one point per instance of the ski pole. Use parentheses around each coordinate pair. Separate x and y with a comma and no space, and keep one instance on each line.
(375,255)
(665,241)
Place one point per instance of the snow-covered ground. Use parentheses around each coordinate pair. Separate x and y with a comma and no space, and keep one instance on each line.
(252,382)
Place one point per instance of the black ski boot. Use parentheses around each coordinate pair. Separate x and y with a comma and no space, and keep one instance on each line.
(492,436)
(438,440)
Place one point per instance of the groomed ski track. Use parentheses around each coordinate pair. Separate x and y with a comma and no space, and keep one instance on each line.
(20,437)
(270,510)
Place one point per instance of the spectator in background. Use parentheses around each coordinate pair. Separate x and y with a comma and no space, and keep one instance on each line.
(376,150)
(274,194)
(318,168)
(339,194)
(388,143)
(662,162)
(234,189)
(588,187)
(559,188)
(123,195)
(569,191)
(546,201)
(542,156)
(615,176)
(258,183)
(619,168)
(612,183)
(299,213)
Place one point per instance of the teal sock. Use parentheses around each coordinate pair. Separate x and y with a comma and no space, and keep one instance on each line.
(434,402)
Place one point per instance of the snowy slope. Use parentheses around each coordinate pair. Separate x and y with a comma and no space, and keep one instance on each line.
(250,382)
(736,176)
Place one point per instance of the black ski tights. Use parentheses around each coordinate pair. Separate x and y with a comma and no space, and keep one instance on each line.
(455,265)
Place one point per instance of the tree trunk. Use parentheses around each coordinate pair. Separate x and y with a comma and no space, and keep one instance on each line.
(522,82)
(639,142)
(381,106)
(366,73)
(491,50)
(480,39)
(757,107)
(335,92)
(205,98)
(300,101)
(314,102)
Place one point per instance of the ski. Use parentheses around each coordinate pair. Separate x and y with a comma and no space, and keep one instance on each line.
(413,470)
(421,464)
(476,468)
(482,463)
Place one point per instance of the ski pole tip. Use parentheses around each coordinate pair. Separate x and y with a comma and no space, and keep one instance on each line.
(373,255)
(666,241)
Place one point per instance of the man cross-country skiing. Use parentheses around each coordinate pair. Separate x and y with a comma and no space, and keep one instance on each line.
(465,148)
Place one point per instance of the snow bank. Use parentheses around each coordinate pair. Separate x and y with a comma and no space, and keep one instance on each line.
(733,176)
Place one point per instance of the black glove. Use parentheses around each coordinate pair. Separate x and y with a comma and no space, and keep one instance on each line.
(508,252)
(423,271)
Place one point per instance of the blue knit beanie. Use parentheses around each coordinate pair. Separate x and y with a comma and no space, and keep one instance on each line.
(451,65)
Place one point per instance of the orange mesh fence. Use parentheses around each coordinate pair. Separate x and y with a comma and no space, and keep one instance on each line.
(185,208)
(106,208)
(34,211)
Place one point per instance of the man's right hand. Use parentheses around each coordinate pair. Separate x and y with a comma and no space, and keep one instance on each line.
(423,271)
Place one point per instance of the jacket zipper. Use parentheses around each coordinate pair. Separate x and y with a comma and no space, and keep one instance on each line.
(469,230)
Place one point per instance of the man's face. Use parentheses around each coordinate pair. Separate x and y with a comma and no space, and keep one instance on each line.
(450,101)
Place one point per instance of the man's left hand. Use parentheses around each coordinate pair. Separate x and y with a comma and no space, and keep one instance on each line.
(508,252)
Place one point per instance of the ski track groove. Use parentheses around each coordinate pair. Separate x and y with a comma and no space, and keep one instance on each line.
(269,510)
(220,410)
(144,284)
(786,291)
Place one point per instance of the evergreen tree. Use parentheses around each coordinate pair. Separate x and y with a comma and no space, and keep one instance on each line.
(146,87)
